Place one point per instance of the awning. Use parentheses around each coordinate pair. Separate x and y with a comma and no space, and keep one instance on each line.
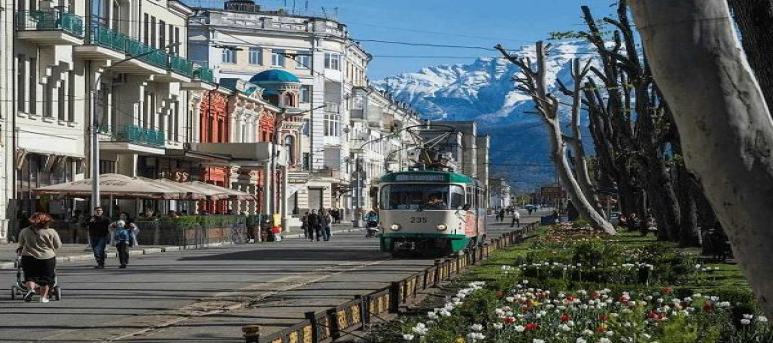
(126,187)
(231,193)
(116,185)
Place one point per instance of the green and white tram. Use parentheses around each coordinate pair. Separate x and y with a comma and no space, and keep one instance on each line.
(430,212)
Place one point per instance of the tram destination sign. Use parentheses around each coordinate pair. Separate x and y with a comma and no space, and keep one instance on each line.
(420,177)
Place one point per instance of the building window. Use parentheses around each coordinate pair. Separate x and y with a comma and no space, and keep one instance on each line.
(277,58)
(21,86)
(229,56)
(162,34)
(255,57)
(304,61)
(306,161)
(290,146)
(145,30)
(70,96)
(32,85)
(176,39)
(305,94)
(153,32)
(332,124)
(332,61)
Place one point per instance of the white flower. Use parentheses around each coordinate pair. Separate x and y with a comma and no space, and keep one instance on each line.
(408,337)
(587,332)
(519,328)
(565,327)
(476,336)
(498,326)
(604,340)
(537,340)
(762,319)
(432,315)
(476,327)
(509,299)
(745,321)
(581,340)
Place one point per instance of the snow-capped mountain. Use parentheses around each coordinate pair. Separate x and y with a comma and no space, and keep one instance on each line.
(484,91)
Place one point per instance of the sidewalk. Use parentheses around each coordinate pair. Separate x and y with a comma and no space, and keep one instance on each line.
(80,252)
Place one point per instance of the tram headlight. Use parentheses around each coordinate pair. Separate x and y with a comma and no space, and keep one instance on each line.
(441,227)
(394,227)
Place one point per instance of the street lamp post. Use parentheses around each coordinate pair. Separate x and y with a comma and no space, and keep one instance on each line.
(95,199)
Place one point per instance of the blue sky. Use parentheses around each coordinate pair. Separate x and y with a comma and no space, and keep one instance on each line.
(445,22)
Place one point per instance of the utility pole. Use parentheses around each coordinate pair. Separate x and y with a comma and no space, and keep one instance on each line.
(95,123)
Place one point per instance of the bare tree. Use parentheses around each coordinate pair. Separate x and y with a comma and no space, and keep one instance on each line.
(580,161)
(533,83)
(724,123)
(755,21)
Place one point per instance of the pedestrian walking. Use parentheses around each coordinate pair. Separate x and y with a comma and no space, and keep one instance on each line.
(305,224)
(37,246)
(314,225)
(327,223)
(516,219)
(99,235)
(124,238)
(501,215)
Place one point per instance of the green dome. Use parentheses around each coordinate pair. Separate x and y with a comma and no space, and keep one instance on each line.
(274,76)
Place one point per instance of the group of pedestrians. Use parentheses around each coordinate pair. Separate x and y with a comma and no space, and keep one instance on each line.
(318,224)
(516,216)
(122,233)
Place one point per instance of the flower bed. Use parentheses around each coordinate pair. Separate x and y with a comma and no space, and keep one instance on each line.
(592,288)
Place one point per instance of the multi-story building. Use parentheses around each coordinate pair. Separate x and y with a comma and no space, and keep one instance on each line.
(114,67)
(242,40)
(500,193)
(7,116)
(380,140)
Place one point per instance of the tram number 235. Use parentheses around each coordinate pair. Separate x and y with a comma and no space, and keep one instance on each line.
(418,220)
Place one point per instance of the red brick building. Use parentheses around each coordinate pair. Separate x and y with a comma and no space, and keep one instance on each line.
(214,123)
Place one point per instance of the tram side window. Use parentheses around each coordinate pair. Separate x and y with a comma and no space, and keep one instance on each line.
(457,197)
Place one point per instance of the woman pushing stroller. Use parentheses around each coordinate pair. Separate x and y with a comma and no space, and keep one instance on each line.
(37,246)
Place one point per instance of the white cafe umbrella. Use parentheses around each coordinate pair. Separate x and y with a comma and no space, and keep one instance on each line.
(115,185)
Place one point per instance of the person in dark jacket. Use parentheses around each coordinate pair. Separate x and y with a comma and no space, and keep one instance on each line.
(314,225)
(99,236)
(305,225)
(123,238)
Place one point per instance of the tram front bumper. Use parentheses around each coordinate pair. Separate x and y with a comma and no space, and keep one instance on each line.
(396,241)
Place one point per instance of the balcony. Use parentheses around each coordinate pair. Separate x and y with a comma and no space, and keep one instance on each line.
(50,27)
(202,78)
(133,139)
(104,43)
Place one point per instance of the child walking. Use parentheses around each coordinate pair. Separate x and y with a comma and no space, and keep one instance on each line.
(124,238)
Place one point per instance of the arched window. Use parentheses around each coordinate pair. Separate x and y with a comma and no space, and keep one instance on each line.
(289,100)
(290,146)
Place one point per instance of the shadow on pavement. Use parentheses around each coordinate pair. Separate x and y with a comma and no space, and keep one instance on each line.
(293,255)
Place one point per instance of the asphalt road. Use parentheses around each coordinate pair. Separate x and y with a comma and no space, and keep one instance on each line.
(200,295)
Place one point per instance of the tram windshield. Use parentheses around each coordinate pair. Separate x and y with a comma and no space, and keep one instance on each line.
(425,197)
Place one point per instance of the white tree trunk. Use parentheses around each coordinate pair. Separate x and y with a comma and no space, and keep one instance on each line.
(580,164)
(724,123)
(576,194)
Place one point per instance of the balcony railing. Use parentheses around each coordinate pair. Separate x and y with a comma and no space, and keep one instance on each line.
(204,74)
(136,134)
(122,43)
(50,20)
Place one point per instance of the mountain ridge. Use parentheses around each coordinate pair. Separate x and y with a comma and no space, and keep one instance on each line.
(485,91)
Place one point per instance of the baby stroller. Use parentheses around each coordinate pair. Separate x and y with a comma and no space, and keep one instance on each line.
(20,289)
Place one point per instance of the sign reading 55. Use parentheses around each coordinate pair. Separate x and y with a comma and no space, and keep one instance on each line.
(418,220)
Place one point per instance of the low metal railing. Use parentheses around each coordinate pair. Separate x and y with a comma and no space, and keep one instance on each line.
(136,134)
(50,20)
